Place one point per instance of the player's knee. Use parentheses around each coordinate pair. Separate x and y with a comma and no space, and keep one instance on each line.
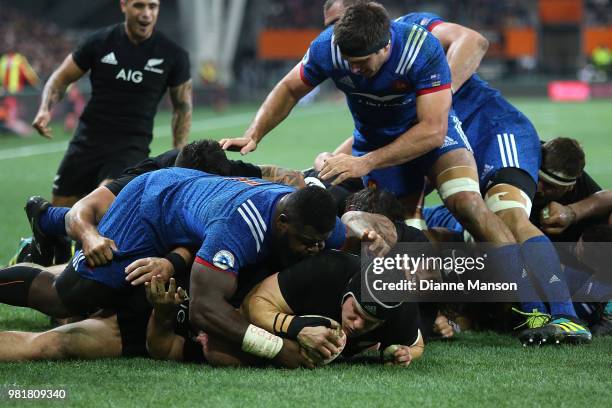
(510,188)
(507,200)
(50,345)
(466,206)
(457,180)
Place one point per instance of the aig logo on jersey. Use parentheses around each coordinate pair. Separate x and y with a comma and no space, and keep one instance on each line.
(224,260)
(130,76)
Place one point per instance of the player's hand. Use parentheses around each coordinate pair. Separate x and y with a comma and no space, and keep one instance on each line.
(41,124)
(164,301)
(343,166)
(98,250)
(322,342)
(375,229)
(443,327)
(293,356)
(244,145)
(397,354)
(143,270)
(555,218)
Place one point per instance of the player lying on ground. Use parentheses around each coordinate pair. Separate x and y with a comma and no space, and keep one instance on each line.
(168,335)
(51,225)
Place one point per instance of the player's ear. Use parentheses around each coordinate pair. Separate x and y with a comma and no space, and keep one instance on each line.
(282,223)
(123,4)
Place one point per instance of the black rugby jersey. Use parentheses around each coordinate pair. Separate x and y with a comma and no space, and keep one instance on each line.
(585,187)
(128,80)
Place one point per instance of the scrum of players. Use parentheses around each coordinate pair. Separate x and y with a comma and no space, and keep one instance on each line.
(190,256)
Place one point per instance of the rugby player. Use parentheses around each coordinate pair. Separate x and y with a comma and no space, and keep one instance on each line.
(507,153)
(325,277)
(397,83)
(229,213)
(567,203)
(132,64)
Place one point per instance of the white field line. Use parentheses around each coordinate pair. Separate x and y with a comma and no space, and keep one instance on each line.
(208,124)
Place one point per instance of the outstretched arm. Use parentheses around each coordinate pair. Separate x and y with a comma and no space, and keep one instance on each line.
(464,48)
(282,175)
(54,91)
(273,111)
(181,98)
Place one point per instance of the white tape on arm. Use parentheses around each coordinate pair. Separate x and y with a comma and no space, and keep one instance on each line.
(261,343)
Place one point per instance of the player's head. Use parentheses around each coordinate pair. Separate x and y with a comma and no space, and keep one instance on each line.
(359,316)
(562,163)
(363,36)
(204,155)
(376,201)
(140,17)
(303,221)
(334,9)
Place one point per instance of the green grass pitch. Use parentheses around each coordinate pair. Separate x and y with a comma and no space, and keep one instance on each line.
(475,369)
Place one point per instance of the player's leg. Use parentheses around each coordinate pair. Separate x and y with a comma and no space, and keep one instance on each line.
(512,154)
(88,339)
(48,228)
(456,179)
(114,162)
(31,285)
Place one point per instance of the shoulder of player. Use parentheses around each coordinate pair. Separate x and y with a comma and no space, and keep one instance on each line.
(168,44)
(102,34)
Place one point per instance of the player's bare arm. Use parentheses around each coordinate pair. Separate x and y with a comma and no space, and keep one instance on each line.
(464,48)
(282,175)
(211,312)
(375,229)
(162,342)
(272,112)
(81,225)
(426,135)
(182,107)
(53,92)
(556,218)
(266,307)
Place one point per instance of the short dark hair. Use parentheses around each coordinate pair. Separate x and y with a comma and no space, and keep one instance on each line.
(204,155)
(312,206)
(376,201)
(563,155)
(363,26)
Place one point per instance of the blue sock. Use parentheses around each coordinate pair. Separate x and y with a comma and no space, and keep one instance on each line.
(51,222)
(576,278)
(544,266)
(594,290)
(608,308)
(507,262)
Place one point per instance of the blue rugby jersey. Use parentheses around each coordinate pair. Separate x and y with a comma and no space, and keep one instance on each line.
(384,106)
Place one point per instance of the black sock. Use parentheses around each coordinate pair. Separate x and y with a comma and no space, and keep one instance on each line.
(15,282)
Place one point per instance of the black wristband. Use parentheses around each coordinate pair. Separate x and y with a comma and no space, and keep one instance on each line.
(299,322)
(178,263)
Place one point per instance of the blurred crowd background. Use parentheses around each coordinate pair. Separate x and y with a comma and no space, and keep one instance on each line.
(532,42)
